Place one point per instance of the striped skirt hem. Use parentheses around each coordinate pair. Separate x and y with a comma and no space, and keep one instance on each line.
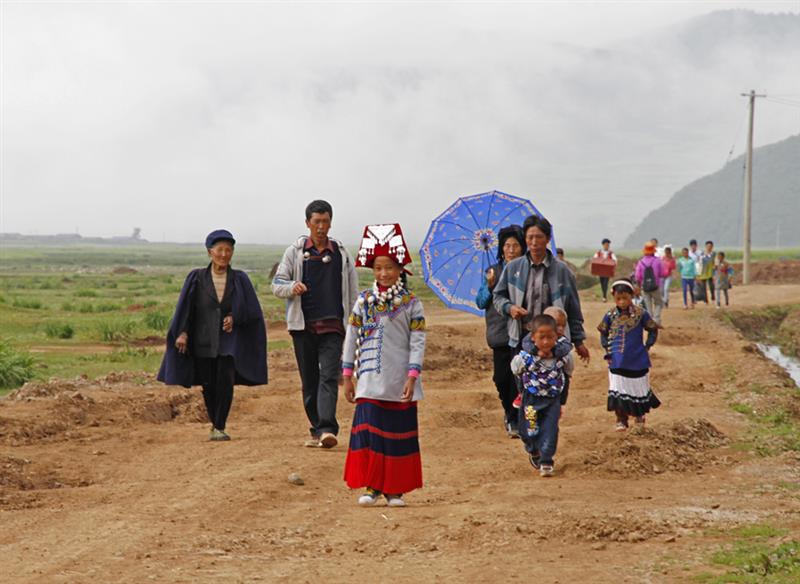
(384,447)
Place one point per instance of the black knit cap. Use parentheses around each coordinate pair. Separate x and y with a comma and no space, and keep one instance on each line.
(219,235)
(514,231)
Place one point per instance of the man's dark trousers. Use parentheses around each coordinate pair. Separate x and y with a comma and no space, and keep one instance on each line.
(319,360)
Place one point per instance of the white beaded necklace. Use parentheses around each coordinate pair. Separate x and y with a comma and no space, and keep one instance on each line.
(392,294)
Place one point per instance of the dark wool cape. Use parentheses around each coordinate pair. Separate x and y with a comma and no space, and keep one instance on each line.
(247,343)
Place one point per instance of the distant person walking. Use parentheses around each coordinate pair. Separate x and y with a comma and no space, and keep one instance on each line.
(510,246)
(217,336)
(605,253)
(722,277)
(317,277)
(649,275)
(670,263)
(688,271)
(705,274)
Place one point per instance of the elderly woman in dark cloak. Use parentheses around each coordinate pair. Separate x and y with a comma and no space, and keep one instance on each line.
(217,336)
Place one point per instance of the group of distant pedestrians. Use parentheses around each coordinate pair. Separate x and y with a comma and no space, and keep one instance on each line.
(705,275)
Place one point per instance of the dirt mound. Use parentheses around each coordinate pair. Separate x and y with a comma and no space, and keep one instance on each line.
(124,270)
(644,451)
(780,272)
(630,528)
(57,410)
(455,361)
(23,475)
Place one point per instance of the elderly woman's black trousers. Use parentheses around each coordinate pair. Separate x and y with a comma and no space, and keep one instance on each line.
(217,376)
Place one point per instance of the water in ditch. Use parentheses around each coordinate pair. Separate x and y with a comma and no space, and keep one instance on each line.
(790,365)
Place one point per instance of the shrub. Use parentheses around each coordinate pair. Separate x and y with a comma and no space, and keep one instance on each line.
(86,294)
(59,331)
(16,367)
(27,303)
(116,330)
(106,307)
(85,307)
(157,320)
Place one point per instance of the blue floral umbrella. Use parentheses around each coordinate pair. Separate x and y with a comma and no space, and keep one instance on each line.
(462,243)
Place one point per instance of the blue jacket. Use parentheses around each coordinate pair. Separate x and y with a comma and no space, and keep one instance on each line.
(563,292)
(247,343)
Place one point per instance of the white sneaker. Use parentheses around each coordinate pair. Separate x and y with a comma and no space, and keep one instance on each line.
(328,440)
(546,470)
(368,498)
(395,501)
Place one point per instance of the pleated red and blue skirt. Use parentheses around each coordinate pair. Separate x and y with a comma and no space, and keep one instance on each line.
(384,447)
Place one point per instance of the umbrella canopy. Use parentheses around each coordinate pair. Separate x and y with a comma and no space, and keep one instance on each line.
(462,243)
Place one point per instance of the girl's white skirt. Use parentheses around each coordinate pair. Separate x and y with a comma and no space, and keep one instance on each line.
(631,395)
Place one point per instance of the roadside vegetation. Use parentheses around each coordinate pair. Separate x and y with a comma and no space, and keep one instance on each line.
(759,554)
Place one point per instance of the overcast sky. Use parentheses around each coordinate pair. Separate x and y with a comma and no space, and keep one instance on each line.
(184,117)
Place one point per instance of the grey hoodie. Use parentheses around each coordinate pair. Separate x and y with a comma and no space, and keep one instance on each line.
(290,271)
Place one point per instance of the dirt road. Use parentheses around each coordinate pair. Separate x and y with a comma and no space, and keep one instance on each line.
(114,481)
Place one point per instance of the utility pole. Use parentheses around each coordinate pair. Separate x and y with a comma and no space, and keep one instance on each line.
(748,190)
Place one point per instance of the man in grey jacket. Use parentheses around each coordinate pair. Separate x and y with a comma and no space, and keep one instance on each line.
(317,277)
(535,281)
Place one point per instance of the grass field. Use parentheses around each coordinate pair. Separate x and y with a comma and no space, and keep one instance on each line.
(88,310)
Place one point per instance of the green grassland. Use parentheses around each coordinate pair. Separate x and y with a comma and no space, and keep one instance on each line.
(90,310)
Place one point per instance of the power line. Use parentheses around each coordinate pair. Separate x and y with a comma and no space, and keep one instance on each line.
(787,102)
(738,133)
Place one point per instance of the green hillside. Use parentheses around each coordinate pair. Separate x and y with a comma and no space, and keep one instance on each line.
(711,207)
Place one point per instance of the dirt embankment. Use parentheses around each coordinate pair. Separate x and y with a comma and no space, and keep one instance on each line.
(61,410)
(776,325)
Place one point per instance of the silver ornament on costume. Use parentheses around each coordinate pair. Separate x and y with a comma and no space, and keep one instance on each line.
(326,259)
(306,255)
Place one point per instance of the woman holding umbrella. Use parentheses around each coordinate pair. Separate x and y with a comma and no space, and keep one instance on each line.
(217,337)
(510,246)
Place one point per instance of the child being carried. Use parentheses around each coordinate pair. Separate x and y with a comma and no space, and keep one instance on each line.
(541,367)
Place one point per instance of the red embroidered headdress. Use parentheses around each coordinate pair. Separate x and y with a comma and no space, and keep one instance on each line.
(382,240)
